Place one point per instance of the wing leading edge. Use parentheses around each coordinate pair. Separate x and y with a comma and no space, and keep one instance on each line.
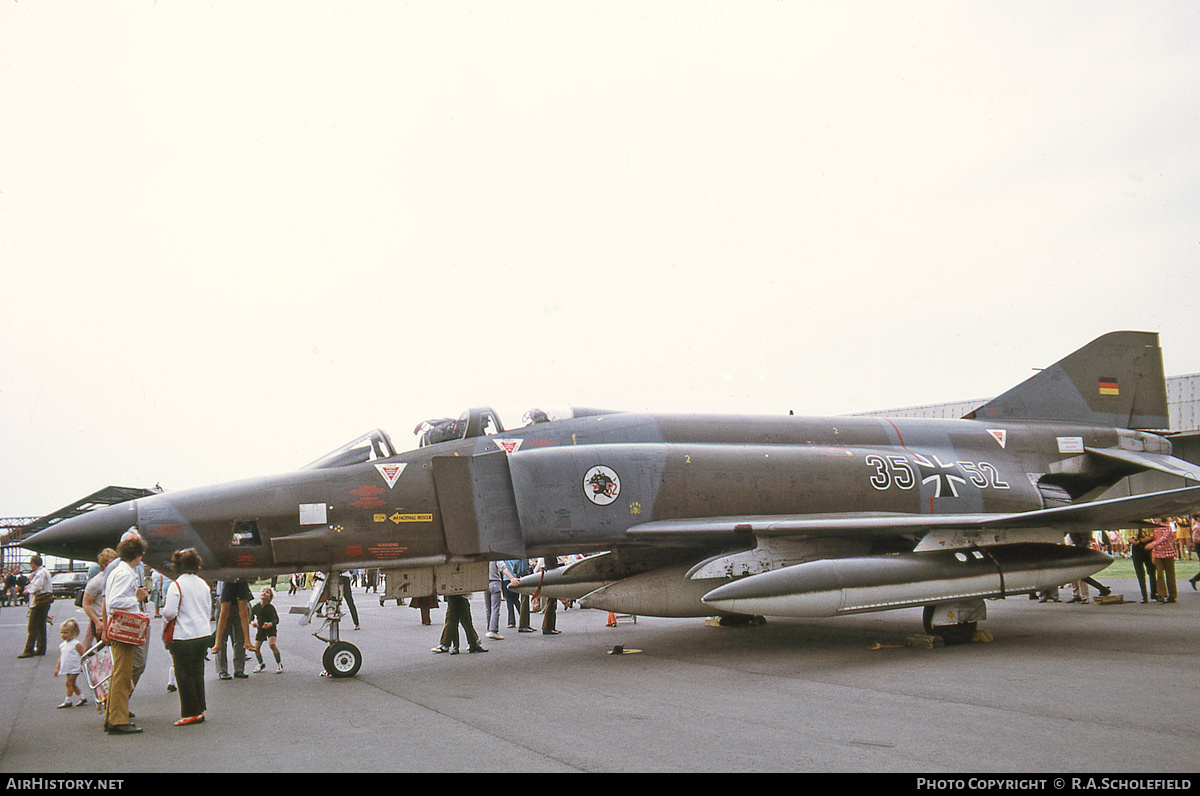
(1114,514)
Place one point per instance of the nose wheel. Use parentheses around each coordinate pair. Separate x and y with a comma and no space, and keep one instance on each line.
(342,659)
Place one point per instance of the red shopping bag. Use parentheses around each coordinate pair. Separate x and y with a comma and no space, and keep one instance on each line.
(128,628)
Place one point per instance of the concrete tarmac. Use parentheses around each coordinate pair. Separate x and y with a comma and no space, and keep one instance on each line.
(1062,688)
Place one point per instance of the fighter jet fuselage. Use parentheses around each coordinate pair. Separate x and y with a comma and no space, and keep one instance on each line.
(703,514)
(581,485)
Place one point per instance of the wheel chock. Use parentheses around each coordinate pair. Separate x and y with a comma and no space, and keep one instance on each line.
(922,641)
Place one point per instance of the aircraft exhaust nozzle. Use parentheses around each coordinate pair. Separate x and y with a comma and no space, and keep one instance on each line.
(832,587)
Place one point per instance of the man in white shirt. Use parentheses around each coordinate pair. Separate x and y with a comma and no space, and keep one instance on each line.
(41,596)
(123,592)
(142,653)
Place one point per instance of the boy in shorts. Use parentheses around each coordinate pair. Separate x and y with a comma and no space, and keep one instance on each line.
(264,617)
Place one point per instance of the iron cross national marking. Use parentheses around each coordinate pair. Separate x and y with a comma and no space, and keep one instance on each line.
(940,474)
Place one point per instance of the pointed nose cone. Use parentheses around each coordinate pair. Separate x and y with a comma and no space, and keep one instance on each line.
(83,537)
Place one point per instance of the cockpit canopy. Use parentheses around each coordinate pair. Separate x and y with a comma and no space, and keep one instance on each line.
(480,421)
(367,448)
(477,422)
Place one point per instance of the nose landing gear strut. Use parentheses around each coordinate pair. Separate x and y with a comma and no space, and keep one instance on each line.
(341,658)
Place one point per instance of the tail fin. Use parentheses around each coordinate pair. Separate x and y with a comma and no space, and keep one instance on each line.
(1115,380)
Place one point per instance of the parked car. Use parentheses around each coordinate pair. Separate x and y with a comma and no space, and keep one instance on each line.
(68,584)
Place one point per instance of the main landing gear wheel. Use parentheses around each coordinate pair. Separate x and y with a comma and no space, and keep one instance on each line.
(740,620)
(342,659)
(960,633)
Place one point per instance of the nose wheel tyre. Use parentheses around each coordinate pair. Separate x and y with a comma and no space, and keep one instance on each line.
(342,659)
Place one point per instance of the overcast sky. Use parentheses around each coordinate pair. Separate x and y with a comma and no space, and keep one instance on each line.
(235,235)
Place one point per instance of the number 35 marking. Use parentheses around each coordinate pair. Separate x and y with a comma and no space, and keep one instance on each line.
(892,471)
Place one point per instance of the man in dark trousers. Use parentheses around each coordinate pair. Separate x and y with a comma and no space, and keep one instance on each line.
(458,612)
(550,613)
(41,595)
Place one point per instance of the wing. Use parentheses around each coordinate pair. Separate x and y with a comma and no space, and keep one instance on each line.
(1150,461)
(1117,513)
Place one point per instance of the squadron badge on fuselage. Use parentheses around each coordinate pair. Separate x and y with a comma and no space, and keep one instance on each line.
(601,485)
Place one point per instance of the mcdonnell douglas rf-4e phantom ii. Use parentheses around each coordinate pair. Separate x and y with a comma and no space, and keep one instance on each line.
(696,515)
